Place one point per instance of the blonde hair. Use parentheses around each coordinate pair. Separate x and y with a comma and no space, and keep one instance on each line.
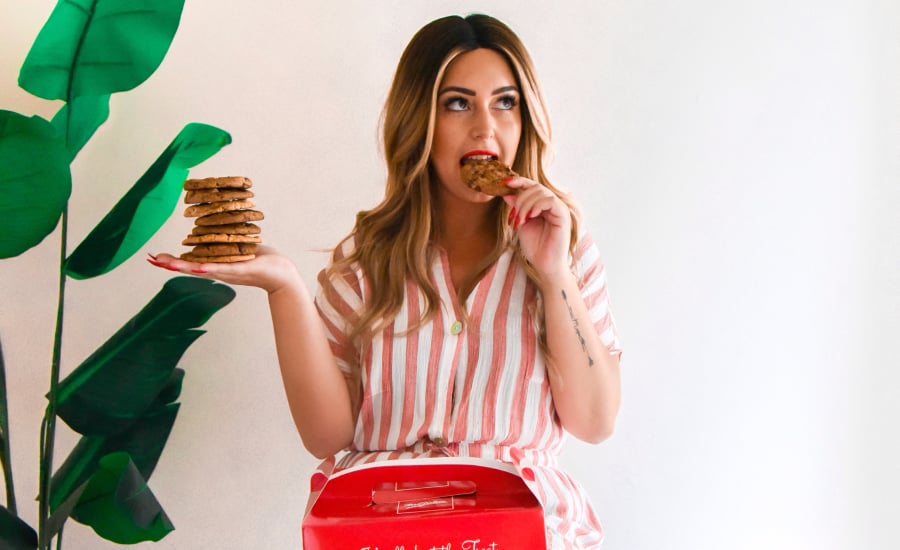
(393,242)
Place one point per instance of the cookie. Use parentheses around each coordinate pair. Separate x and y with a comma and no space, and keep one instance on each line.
(235,182)
(223,249)
(487,175)
(208,208)
(215,195)
(217,259)
(220,238)
(235,216)
(223,210)
(229,228)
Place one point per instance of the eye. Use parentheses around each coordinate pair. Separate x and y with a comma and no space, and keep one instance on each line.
(507,102)
(456,103)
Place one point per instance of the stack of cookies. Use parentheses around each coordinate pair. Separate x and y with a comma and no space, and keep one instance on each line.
(224,231)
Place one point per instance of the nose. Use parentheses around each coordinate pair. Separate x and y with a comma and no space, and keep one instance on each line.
(483,125)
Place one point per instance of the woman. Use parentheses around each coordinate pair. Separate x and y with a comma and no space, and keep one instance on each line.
(450,322)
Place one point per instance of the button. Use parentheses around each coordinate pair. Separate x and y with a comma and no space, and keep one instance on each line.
(455,328)
(439,442)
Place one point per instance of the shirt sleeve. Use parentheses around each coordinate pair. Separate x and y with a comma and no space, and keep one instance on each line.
(594,291)
(339,300)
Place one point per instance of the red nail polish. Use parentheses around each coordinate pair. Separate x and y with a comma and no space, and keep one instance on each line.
(162,265)
(151,255)
(512,213)
(198,271)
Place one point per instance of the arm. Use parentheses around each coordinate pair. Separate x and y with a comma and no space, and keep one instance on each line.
(583,374)
(317,394)
(584,377)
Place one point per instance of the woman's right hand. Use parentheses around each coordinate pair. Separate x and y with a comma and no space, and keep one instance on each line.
(269,271)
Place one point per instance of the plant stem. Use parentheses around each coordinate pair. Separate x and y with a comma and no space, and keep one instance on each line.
(49,426)
(5,457)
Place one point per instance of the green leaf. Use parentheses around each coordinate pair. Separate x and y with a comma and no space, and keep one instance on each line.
(15,534)
(98,47)
(79,119)
(126,375)
(124,384)
(144,442)
(5,459)
(35,182)
(61,514)
(147,205)
(118,505)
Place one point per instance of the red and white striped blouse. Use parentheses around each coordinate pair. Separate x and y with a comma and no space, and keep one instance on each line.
(470,385)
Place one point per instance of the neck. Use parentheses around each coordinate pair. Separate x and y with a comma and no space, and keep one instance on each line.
(467,233)
(464,222)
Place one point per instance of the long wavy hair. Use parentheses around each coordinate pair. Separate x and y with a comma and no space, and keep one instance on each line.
(394,241)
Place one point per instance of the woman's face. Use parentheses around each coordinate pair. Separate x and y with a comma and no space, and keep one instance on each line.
(477,113)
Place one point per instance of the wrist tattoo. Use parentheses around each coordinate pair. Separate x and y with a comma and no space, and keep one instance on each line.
(581,339)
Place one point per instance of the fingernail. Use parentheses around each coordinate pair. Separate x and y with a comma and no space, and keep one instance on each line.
(512,214)
(198,270)
(151,255)
(162,265)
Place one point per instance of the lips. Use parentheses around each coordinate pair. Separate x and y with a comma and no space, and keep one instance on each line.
(478,155)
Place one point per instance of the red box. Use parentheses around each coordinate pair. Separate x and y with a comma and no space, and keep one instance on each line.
(426,504)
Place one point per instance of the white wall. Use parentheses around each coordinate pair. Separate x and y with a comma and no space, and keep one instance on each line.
(737,162)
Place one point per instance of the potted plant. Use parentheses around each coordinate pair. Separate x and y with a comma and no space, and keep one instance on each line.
(123,398)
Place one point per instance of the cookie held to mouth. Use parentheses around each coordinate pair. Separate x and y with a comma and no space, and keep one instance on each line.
(487,174)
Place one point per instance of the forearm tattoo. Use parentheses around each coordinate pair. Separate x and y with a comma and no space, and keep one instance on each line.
(577,329)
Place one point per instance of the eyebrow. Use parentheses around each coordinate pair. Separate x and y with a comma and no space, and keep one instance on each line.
(466,91)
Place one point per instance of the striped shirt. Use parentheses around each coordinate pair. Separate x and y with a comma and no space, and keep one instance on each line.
(472,385)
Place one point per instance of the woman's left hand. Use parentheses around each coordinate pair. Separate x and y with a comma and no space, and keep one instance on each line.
(544,224)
